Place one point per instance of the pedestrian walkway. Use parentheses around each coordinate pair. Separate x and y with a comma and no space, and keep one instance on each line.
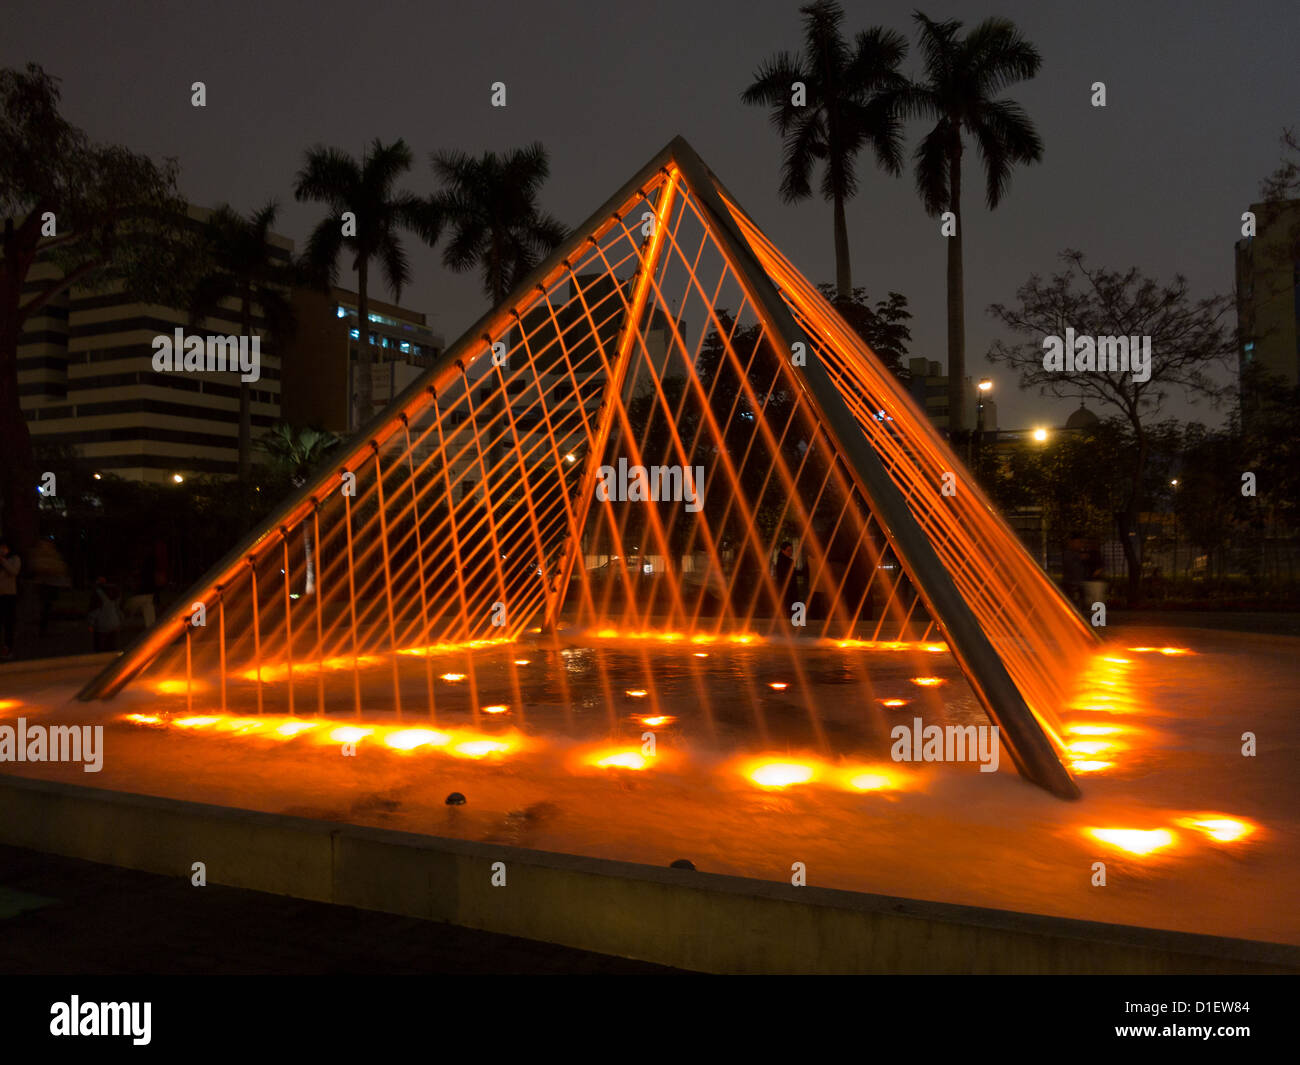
(65,916)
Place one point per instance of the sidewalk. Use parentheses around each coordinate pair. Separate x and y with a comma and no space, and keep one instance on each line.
(64,916)
(1279,623)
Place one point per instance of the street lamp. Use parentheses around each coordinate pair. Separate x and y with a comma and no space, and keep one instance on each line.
(985,387)
(1040,436)
(1174,484)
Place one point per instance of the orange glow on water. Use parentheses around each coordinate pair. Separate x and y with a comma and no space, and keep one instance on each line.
(621,760)
(446,647)
(659,719)
(778,685)
(1093,730)
(1218,827)
(893,702)
(398,738)
(453,678)
(873,778)
(522,661)
(411,738)
(174,686)
(480,748)
(1090,747)
(496,709)
(891,645)
(928,682)
(1090,766)
(780,774)
(240,724)
(10,704)
(637,693)
(1134,840)
(350,734)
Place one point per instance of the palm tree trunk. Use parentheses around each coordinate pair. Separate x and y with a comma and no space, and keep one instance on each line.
(956,307)
(364,382)
(843,270)
(245,397)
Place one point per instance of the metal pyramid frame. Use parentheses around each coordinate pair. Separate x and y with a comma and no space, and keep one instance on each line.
(400,559)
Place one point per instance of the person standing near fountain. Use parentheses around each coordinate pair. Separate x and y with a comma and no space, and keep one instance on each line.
(10,564)
(105,615)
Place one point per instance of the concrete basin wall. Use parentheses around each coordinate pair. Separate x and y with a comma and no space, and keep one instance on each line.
(692,920)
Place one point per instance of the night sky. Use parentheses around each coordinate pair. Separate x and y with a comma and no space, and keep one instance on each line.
(1197,96)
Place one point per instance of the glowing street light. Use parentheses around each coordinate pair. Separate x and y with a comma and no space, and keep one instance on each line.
(1040,436)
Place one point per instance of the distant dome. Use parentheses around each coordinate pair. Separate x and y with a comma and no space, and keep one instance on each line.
(1082,418)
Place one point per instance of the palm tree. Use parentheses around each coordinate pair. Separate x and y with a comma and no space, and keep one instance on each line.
(491,204)
(297,451)
(962,77)
(244,269)
(365,189)
(850,90)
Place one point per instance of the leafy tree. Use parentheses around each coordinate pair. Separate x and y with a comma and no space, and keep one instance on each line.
(490,203)
(365,191)
(1284,182)
(849,87)
(297,452)
(1190,340)
(99,214)
(243,268)
(963,75)
(1207,500)
(883,328)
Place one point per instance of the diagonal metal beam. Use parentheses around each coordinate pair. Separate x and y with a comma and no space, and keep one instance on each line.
(614,381)
(416,397)
(1030,749)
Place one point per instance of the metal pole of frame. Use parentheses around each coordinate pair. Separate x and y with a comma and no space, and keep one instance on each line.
(1030,749)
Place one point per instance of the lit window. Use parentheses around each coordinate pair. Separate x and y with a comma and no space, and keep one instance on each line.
(406,347)
(343,313)
(356,334)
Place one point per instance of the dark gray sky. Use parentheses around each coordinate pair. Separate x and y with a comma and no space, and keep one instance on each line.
(1198,93)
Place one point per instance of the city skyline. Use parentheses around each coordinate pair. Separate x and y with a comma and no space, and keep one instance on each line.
(269,107)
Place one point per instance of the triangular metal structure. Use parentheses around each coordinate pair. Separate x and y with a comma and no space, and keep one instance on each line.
(666,336)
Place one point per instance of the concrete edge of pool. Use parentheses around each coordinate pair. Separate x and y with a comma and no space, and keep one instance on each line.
(692,920)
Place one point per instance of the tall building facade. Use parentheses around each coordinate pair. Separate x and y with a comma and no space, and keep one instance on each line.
(87,380)
(1268,296)
(322,359)
(929,387)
